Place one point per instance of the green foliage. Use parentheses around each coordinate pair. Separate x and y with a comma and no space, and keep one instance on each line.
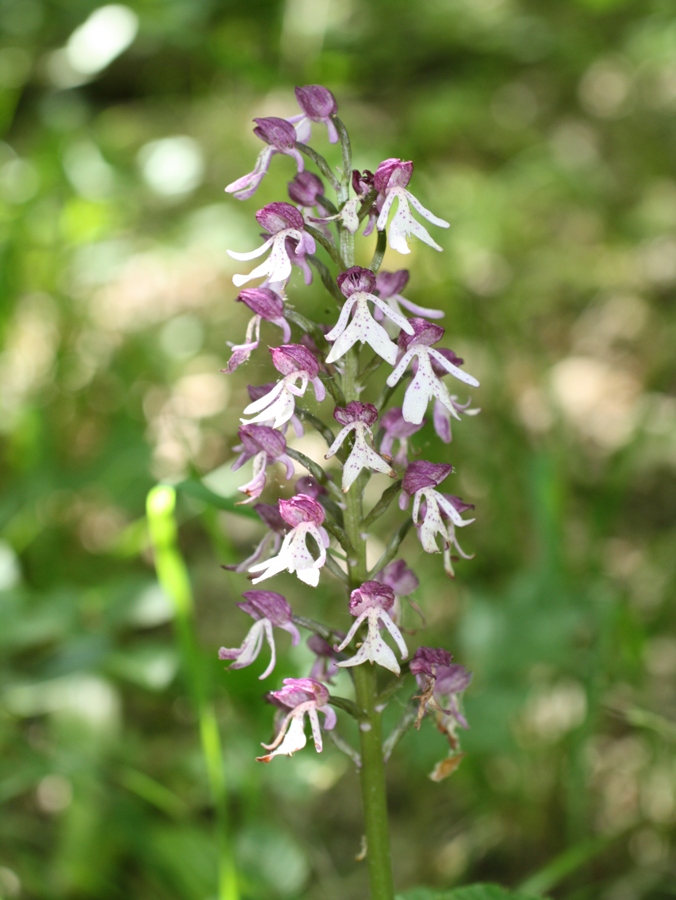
(472,892)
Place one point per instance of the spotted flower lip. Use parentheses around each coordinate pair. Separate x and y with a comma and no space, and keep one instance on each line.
(268,609)
(389,286)
(318,105)
(425,384)
(305,516)
(391,179)
(282,221)
(372,603)
(358,417)
(303,696)
(280,137)
(363,327)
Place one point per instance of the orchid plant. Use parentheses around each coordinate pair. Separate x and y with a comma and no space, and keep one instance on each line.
(323,529)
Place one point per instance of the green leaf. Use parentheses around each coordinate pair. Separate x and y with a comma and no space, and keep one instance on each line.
(471,892)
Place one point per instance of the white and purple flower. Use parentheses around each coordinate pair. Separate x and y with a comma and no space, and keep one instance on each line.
(396,428)
(372,603)
(318,105)
(282,222)
(305,516)
(299,367)
(280,136)
(265,446)
(391,178)
(358,418)
(268,609)
(357,285)
(442,414)
(426,384)
(303,696)
(434,513)
(266,304)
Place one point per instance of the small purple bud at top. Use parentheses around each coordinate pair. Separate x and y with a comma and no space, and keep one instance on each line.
(356,279)
(267,605)
(317,102)
(294,358)
(305,187)
(299,509)
(392,173)
(277,216)
(310,486)
(426,661)
(269,515)
(424,332)
(400,578)
(371,595)
(356,412)
(390,283)
(263,301)
(277,132)
(421,474)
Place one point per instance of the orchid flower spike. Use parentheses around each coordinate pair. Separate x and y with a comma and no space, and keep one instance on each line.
(357,286)
(280,136)
(266,304)
(391,178)
(420,479)
(372,602)
(281,221)
(267,609)
(265,446)
(305,516)
(425,384)
(299,367)
(318,105)
(358,417)
(389,286)
(301,696)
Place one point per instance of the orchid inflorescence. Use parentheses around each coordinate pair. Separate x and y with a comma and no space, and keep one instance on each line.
(323,525)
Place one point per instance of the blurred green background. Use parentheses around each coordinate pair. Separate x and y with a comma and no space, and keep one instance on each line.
(546,133)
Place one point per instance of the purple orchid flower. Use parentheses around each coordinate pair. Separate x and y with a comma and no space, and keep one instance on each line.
(268,610)
(372,603)
(266,304)
(305,516)
(425,384)
(265,446)
(281,221)
(301,696)
(271,541)
(391,178)
(280,137)
(441,683)
(358,417)
(299,368)
(357,285)
(318,105)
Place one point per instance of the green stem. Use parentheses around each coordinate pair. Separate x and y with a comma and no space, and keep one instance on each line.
(173,577)
(372,772)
